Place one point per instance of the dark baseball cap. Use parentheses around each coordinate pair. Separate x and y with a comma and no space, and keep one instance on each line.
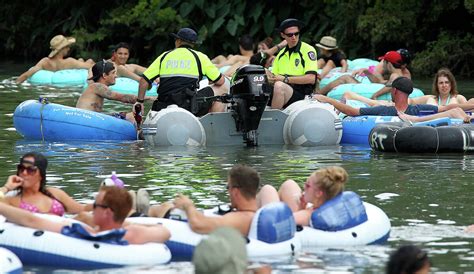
(402,84)
(290,22)
(187,35)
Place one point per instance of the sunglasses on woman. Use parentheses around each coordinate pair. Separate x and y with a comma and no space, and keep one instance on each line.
(29,169)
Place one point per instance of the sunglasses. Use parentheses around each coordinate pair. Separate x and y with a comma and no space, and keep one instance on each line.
(96,205)
(29,169)
(291,34)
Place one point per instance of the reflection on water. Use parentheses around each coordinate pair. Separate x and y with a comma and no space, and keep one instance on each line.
(427,197)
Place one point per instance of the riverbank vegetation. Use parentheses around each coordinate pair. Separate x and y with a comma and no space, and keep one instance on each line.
(438,33)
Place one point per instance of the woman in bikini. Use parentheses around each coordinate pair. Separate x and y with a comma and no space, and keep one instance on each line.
(444,93)
(33,195)
(321,186)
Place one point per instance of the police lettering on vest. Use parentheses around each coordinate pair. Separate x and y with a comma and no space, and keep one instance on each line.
(180,71)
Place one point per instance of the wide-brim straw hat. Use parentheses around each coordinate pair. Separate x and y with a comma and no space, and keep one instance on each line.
(58,43)
(327,42)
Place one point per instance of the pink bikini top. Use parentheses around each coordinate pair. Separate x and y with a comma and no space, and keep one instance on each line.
(56,208)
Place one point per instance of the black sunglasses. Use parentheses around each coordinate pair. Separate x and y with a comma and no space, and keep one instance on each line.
(96,205)
(29,169)
(291,34)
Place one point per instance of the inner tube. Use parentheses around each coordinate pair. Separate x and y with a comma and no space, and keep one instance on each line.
(397,137)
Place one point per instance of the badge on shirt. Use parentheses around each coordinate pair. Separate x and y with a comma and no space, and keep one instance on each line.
(312,55)
(297,62)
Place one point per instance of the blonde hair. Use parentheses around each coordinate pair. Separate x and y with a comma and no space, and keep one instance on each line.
(331,180)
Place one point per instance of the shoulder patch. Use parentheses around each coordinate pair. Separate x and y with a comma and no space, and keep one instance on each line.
(312,55)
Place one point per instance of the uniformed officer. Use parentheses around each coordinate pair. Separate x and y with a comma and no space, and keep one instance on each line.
(294,68)
(179,71)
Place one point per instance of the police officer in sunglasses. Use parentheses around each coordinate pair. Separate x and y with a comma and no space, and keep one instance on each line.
(294,69)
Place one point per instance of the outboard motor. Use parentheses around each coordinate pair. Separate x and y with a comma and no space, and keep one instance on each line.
(249,100)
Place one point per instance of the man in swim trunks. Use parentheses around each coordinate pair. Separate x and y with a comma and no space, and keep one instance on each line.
(111,207)
(56,60)
(103,75)
(120,57)
(246,46)
(242,185)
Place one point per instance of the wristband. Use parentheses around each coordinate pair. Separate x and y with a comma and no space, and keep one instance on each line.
(141,101)
(286,80)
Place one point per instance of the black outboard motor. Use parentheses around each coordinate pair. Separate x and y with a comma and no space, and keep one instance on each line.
(249,100)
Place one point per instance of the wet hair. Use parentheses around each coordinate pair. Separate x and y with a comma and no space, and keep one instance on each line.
(118,200)
(246,179)
(246,42)
(407,260)
(42,164)
(446,73)
(100,68)
(331,180)
(259,58)
(121,45)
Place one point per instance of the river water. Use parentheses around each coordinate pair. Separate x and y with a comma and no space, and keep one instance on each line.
(428,198)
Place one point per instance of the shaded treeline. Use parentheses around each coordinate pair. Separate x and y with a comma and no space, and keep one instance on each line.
(439,33)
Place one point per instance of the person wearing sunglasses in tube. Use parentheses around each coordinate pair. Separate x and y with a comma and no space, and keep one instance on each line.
(31,193)
(294,73)
(110,208)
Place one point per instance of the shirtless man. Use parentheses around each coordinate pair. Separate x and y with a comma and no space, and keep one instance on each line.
(56,60)
(242,185)
(391,65)
(110,209)
(120,57)
(236,61)
(103,75)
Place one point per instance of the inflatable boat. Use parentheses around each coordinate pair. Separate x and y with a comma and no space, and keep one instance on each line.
(272,233)
(9,262)
(44,248)
(305,123)
(129,86)
(352,65)
(345,221)
(356,129)
(78,78)
(366,90)
(442,135)
(60,78)
(40,120)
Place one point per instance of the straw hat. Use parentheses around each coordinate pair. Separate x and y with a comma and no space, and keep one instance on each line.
(327,42)
(59,42)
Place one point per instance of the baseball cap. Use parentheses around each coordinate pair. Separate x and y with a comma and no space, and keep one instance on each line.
(224,251)
(402,84)
(393,57)
(187,35)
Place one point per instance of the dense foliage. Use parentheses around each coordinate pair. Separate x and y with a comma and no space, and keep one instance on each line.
(439,33)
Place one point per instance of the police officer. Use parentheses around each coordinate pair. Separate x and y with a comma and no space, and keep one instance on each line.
(294,68)
(180,71)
